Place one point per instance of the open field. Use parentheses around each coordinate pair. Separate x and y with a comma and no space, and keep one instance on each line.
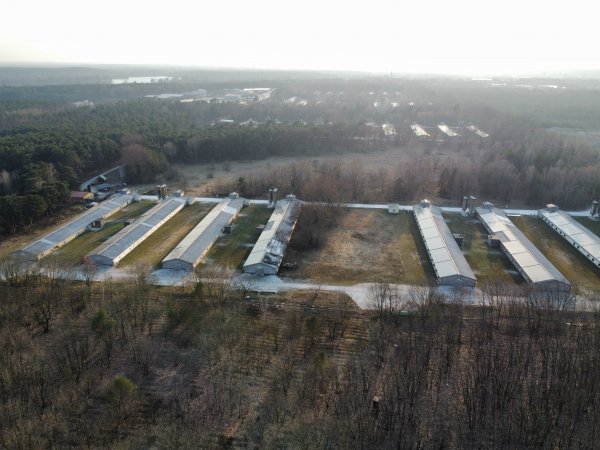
(152,251)
(72,252)
(488,263)
(231,249)
(567,260)
(367,245)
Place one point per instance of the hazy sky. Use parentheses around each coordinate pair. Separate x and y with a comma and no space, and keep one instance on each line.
(459,36)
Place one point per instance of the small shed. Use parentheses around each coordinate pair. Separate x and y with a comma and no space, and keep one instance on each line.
(97,224)
(493,240)
(459,238)
(81,196)
(393,208)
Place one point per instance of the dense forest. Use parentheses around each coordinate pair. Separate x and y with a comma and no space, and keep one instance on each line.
(48,146)
(113,365)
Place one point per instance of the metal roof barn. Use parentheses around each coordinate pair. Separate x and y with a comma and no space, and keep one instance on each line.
(190,251)
(50,242)
(447,130)
(573,232)
(268,252)
(118,246)
(527,259)
(449,263)
(418,130)
(477,131)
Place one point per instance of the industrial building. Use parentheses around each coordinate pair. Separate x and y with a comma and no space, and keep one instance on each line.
(190,251)
(477,131)
(50,242)
(119,245)
(419,130)
(527,259)
(449,263)
(574,233)
(447,130)
(268,252)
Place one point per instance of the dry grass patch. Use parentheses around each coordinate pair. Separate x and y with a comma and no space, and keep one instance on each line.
(153,250)
(367,245)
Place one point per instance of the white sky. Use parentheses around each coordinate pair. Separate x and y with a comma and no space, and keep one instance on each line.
(449,36)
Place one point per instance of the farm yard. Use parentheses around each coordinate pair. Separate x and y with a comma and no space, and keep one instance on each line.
(73,252)
(152,251)
(231,249)
(489,264)
(574,266)
(365,246)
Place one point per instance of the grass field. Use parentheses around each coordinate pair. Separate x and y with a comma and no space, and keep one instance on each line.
(573,265)
(72,252)
(367,246)
(153,250)
(231,249)
(489,264)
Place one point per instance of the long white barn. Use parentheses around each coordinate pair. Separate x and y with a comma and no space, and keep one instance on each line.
(190,251)
(586,242)
(449,263)
(268,252)
(52,241)
(527,259)
(118,246)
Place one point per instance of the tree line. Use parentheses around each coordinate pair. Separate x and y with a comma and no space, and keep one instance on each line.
(43,154)
(128,365)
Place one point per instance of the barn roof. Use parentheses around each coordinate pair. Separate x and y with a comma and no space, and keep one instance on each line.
(524,254)
(444,253)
